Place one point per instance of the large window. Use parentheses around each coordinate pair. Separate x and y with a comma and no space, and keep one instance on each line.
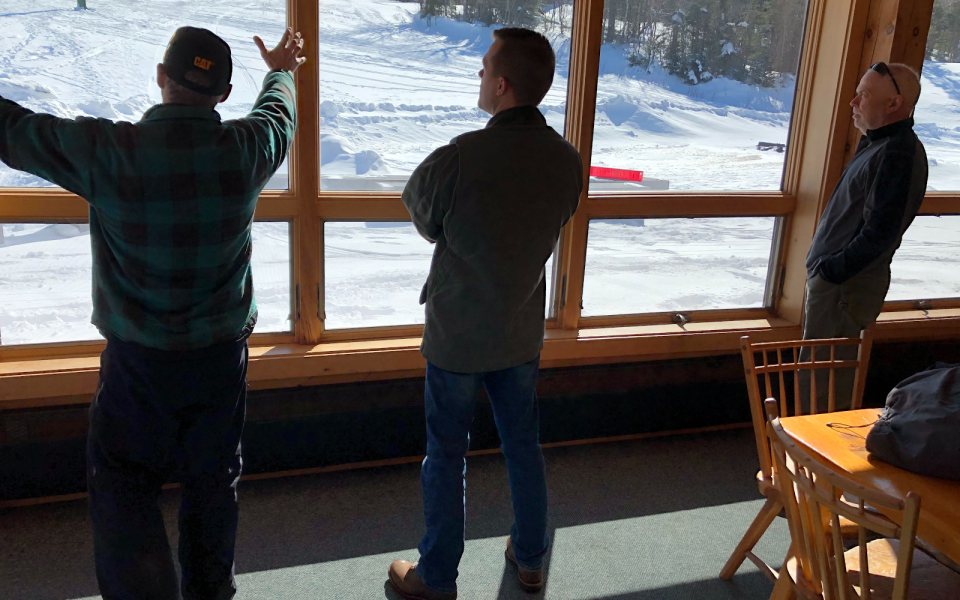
(937,116)
(102,62)
(695,94)
(676,265)
(399,79)
(374,272)
(45,282)
(700,97)
(927,265)
(272,270)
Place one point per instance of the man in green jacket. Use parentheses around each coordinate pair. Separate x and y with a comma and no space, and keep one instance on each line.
(494,202)
(171,200)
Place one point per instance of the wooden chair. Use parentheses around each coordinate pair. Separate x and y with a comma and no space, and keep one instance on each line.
(767,367)
(816,499)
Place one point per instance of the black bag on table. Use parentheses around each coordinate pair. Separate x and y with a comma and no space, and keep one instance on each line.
(919,429)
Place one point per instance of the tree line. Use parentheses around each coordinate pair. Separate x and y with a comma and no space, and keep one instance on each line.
(754,41)
(943,41)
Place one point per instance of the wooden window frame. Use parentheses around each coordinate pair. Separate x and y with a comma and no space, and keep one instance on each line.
(838,42)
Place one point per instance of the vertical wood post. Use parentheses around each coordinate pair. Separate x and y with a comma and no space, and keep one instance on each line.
(829,66)
(581,103)
(304,163)
(896,33)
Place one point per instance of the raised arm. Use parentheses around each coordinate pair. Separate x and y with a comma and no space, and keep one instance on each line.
(273,119)
(58,150)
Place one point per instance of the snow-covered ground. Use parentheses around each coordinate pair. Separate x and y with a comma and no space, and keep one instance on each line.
(937,119)
(657,265)
(927,265)
(374,273)
(102,62)
(45,282)
(393,88)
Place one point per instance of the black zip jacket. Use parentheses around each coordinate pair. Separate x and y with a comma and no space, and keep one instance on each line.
(876,199)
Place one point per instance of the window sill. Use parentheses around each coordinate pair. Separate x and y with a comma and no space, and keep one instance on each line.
(66,380)
(71,380)
(933,324)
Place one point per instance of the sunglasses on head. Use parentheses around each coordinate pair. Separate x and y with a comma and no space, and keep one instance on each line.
(882,68)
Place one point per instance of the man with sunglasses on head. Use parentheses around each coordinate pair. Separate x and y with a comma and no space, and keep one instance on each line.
(876,199)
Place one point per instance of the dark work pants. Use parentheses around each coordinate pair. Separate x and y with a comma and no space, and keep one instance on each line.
(156,413)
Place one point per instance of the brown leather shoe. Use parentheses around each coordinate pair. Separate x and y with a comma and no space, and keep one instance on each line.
(530,581)
(404,579)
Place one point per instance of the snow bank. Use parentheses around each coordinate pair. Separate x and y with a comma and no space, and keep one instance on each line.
(337,158)
(24,91)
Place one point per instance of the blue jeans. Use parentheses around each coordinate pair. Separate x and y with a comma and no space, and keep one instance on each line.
(156,413)
(449,402)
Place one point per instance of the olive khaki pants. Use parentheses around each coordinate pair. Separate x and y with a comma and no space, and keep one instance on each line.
(836,311)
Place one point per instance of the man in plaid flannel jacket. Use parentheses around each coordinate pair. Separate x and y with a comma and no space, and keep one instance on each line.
(171,200)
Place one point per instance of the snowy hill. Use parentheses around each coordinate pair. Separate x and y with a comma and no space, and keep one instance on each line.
(395,86)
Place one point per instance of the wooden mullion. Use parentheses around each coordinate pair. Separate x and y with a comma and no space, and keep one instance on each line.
(696,316)
(304,162)
(51,350)
(910,305)
(896,32)
(909,44)
(829,71)
(362,206)
(940,204)
(802,96)
(690,205)
(44,205)
(276,207)
(41,205)
(877,38)
(372,333)
(582,82)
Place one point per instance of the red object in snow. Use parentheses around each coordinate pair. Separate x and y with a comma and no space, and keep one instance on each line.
(621,174)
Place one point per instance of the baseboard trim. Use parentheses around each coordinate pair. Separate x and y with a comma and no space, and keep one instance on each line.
(397,461)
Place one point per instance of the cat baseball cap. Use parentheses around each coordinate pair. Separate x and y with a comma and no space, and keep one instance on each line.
(199,60)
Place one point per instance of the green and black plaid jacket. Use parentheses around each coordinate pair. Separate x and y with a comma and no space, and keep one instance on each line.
(171,208)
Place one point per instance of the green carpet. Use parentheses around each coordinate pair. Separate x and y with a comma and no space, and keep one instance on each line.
(640,520)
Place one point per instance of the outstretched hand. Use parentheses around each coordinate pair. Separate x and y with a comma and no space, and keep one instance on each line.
(286,55)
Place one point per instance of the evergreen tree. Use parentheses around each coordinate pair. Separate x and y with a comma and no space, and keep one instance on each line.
(943,41)
(754,41)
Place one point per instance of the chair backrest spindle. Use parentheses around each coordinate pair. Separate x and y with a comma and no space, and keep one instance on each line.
(797,405)
(832,392)
(774,359)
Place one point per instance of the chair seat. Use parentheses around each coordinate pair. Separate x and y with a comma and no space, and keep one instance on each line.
(929,580)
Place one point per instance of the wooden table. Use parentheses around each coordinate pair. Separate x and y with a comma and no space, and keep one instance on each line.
(845,450)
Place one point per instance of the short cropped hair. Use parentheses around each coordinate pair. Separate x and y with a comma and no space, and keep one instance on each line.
(177,94)
(909,81)
(526,60)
